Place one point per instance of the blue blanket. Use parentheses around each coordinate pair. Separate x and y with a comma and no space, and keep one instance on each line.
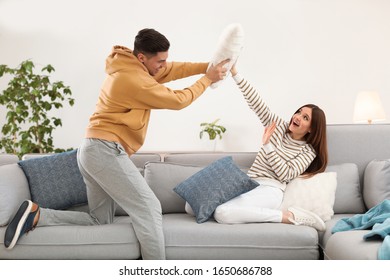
(377,219)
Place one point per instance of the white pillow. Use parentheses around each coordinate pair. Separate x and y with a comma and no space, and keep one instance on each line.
(316,194)
(229,46)
(188,209)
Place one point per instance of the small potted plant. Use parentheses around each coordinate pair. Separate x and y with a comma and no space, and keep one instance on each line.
(213,130)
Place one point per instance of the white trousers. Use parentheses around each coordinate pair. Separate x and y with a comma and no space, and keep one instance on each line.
(258,205)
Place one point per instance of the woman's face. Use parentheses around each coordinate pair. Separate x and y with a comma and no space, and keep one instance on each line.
(301,123)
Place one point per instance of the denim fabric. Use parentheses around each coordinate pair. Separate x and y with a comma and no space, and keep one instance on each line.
(217,183)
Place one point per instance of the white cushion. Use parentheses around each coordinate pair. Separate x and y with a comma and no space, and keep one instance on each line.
(316,194)
(229,46)
(188,209)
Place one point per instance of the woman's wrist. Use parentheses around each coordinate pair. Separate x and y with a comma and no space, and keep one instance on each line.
(237,78)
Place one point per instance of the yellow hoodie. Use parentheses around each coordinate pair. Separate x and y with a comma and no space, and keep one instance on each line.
(129,92)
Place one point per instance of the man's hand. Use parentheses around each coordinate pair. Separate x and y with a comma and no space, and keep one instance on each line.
(268,131)
(217,72)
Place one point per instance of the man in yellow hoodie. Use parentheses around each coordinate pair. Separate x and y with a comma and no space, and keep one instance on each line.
(117,129)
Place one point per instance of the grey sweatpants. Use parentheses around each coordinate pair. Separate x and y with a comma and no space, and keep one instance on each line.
(112,179)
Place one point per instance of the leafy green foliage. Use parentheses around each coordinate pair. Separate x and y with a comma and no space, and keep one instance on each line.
(28,98)
(212,129)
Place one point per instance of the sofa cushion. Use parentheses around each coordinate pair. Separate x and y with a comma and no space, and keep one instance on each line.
(244,160)
(376,182)
(163,177)
(316,194)
(13,191)
(187,240)
(348,198)
(55,181)
(350,245)
(140,159)
(215,184)
(8,159)
(116,241)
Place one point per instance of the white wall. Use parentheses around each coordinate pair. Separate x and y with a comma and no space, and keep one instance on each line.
(296,52)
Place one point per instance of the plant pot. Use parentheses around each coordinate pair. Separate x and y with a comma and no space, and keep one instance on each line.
(210,145)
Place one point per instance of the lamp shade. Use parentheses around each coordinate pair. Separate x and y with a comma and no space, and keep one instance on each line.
(368,107)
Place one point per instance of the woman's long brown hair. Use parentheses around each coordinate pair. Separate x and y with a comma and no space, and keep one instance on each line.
(317,138)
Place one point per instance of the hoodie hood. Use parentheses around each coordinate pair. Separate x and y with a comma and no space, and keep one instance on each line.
(120,59)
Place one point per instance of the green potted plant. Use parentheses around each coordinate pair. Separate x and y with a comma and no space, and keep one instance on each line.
(28,98)
(213,130)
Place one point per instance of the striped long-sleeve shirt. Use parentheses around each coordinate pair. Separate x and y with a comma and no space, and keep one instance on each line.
(283,158)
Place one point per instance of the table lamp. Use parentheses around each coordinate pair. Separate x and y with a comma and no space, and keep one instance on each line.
(368,107)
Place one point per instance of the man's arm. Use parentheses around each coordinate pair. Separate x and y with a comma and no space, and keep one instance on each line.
(149,94)
(179,70)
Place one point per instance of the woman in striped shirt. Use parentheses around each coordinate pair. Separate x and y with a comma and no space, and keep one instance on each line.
(290,149)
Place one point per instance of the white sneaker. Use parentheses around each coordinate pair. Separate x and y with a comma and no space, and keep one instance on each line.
(306,218)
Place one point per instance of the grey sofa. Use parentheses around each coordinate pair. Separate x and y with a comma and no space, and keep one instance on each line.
(351,149)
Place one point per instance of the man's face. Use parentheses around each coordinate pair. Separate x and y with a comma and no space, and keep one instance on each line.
(154,63)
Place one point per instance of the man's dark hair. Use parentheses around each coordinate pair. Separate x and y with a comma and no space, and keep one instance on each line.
(149,42)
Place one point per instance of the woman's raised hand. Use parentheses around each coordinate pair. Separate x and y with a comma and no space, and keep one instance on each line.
(268,131)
